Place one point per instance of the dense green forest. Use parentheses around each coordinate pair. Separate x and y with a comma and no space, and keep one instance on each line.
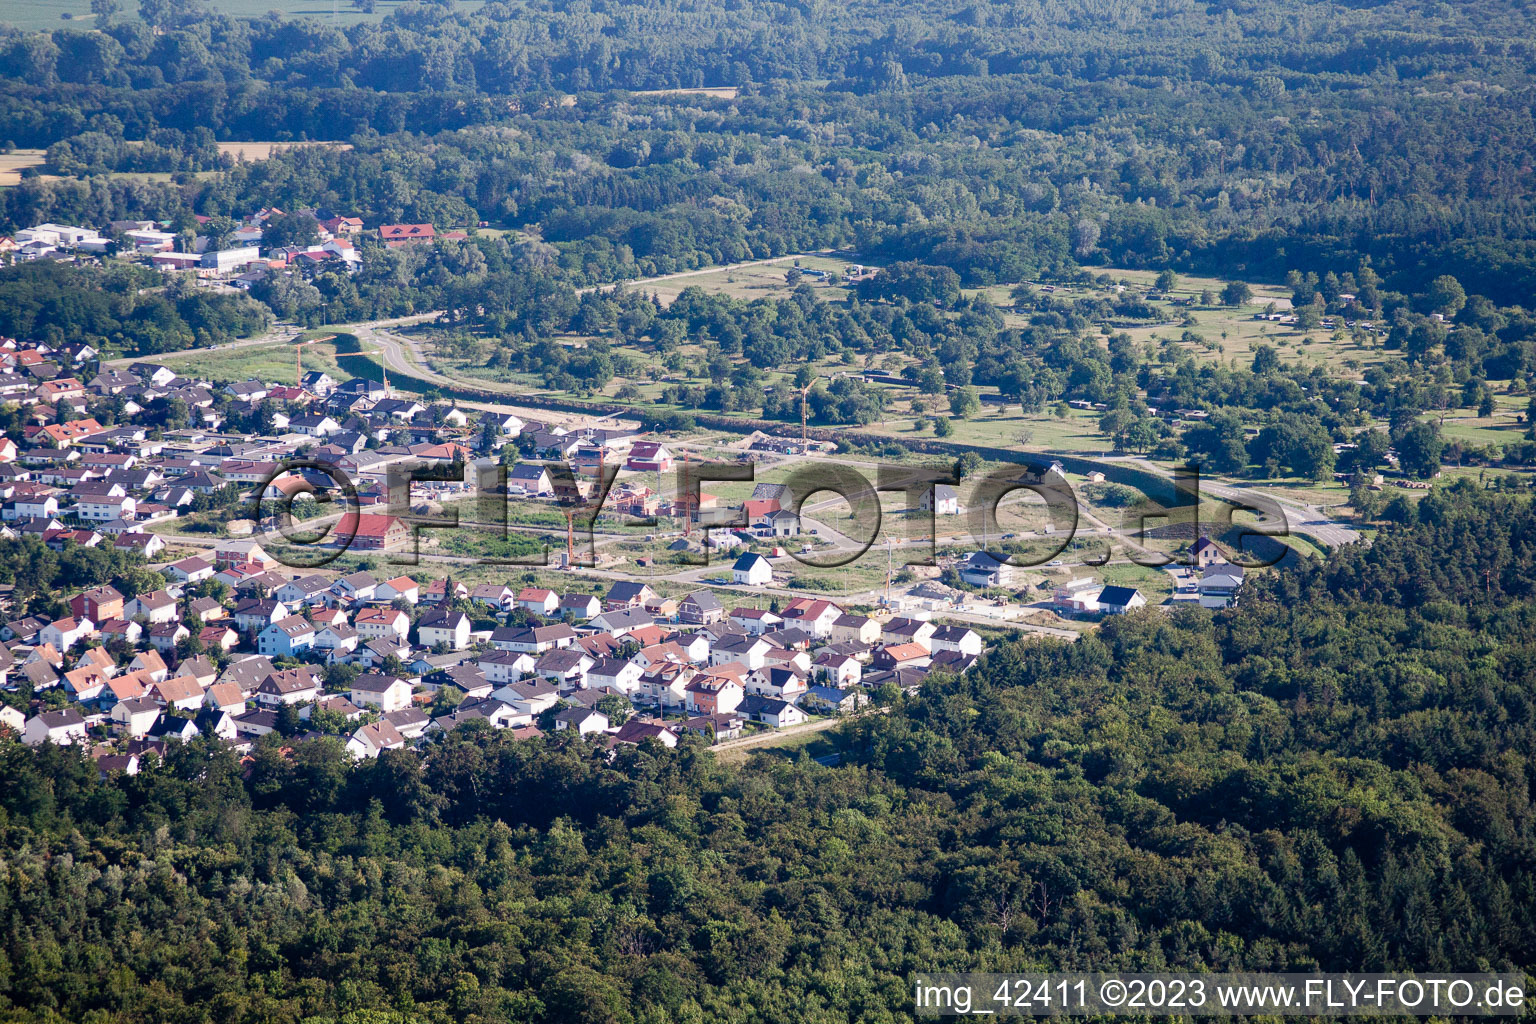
(1334,775)
(1001,140)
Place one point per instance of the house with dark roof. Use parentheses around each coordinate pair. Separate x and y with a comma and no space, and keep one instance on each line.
(1120,600)
(700,608)
(627,594)
(770,711)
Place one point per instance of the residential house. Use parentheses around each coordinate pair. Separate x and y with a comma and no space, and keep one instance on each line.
(955,638)
(770,711)
(638,730)
(337,639)
(837,669)
(373,739)
(531,697)
(750,651)
(156,607)
(529,479)
(619,674)
(215,722)
(442,626)
(164,638)
(205,610)
(859,629)
(941,500)
(369,532)
(97,604)
(711,693)
(387,693)
(533,639)
(437,589)
(150,663)
(286,638)
(172,727)
(61,728)
(190,570)
(242,552)
(585,721)
(182,692)
(401,588)
(356,586)
(649,457)
(256,723)
(396,235)
(621,621)
(1205,552)
(304,591)
(1120,600)
(290,686)
(564,666)
(754,621)
(537,600)
(904,630)
(387,622)
(627,594)
(256,614)
(411,722)
(700,608)
(509,666)
(908,655)
(63,634)
(833,700)
(785,681)
(715,728)
(580,607)
(1219,585)
(497,595)
(226,697)
(813,616)
(982,569)
(247,673)
(752,570)
(779,523)
(134,717)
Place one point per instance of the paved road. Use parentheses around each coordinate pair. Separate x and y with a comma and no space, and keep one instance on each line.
(739,748)
(281,333)
(1305,520)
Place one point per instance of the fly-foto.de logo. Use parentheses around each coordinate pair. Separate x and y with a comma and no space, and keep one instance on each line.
(314,511)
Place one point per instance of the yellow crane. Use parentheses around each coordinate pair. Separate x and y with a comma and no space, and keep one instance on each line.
(298,362)
(804,436)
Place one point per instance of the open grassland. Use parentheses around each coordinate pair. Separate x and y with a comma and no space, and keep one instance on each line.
(766,280)
(269,361)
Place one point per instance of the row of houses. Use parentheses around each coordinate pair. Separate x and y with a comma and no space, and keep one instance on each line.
(128,669)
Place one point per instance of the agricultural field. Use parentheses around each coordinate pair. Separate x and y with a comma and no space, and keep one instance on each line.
(250,152)
(713,92)
(16,161)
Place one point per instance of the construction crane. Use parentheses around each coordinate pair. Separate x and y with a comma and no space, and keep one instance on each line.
(383,368)
(570,538)
(804,437)
(890,566)
(298,362)
(687,499)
